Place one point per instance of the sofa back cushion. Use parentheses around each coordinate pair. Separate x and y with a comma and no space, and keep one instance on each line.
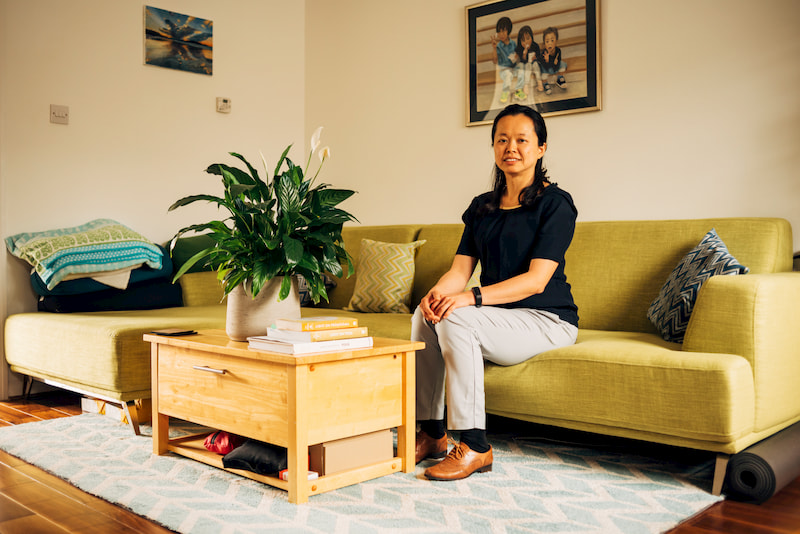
(616,269)
(352,235)
(435,258)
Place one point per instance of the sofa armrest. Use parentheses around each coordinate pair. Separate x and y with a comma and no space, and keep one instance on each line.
(755,316)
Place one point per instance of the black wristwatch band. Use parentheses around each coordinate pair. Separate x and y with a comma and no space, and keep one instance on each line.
(478,298)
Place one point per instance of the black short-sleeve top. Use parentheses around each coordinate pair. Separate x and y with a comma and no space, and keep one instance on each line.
(506,240)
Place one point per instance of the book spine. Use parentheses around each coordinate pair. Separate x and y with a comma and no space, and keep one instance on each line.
(327,335)
(312,325)
(316,346)
(338,344)
(317,335)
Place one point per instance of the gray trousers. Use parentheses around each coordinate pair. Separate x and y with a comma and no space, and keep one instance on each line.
(455,350)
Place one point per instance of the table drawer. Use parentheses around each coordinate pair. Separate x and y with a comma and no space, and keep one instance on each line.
(244,396)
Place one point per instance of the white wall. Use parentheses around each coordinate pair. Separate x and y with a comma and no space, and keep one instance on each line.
(701,112)
(700,118)
(139,136)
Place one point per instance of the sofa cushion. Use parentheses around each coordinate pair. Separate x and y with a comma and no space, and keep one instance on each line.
(616,268)
(97,352)
(671,309)
(351,237)
(435,258)
(391,325)
(145,295)
(629,384)
(201,289)
(384,277)
(186,247)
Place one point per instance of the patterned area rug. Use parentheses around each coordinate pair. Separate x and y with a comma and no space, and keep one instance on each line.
(535,486)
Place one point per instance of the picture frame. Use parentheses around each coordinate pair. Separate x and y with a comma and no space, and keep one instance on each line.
(178,41)
(562,78)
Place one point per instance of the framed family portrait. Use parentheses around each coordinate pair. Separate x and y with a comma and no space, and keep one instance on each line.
(540,53)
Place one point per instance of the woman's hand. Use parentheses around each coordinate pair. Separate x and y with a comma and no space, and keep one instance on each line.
(448,293)
(436,307)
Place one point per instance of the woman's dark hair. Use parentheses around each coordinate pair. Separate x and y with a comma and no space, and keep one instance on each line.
(527,195)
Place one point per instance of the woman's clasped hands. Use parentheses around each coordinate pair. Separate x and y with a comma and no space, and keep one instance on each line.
(436,306)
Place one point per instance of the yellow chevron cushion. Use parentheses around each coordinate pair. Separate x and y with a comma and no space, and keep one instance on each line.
(384,277)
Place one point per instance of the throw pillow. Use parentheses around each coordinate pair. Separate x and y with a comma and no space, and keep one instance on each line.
(384,277)
(305,296)
(671,310)
(475,279)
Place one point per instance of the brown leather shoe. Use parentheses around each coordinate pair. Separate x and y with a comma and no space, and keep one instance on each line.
(461,463)
(428,447)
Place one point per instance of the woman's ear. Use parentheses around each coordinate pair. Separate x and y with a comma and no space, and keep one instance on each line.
(542,150)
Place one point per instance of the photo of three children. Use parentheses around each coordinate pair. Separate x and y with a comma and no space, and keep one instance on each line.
(539,53)
(525,60)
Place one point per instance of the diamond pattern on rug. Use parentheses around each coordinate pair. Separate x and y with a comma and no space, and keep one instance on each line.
(534,487)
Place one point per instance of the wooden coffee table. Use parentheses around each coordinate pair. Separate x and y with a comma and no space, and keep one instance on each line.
(289,401)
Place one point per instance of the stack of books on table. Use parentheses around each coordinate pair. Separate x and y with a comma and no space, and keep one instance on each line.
(313,334)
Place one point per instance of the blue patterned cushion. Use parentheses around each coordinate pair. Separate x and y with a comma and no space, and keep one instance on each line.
(670,311)
(305,296)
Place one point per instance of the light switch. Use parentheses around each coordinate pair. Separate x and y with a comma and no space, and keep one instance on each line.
(59,114)
(223,104)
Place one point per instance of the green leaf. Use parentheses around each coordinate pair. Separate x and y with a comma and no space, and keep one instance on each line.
(280,161)
(191,262)
(253,171)
(194,198)
(237,190)
(230,174)
(332,197)
(292,251)
(286,287)
(288,199)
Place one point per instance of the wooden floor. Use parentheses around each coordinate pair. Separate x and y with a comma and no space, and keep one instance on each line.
(32,501)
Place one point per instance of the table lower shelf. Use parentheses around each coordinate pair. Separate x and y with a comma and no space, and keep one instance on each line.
(193,447)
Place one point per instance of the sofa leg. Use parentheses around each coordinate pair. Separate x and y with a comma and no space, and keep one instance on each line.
(132,415)
(720,469)
(27,385)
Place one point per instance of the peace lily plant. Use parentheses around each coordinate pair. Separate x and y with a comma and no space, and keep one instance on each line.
(282,227)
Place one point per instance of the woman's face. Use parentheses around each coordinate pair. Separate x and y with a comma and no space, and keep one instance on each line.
(516,146)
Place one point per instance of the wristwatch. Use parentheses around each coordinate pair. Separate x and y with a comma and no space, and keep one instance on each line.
(478,298)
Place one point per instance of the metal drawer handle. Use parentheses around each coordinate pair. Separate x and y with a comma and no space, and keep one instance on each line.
(209,369)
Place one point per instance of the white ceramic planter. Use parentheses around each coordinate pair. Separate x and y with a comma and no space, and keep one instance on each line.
(247,316)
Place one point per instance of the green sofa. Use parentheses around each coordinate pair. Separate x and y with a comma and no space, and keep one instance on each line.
(732,383)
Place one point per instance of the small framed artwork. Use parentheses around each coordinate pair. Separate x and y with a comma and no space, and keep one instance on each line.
(540,53)
(176,41)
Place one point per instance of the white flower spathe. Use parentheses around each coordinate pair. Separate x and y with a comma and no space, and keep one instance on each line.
(315,139)
(324,154)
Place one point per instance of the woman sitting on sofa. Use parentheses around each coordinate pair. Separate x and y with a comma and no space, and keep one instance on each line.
(519,232)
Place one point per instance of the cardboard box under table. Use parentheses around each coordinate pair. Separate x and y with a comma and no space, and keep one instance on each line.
(290,401)
(350,453)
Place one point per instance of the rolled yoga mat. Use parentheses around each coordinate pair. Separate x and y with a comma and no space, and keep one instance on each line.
(763,469)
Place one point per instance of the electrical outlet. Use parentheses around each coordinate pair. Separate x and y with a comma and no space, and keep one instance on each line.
(223,104)
(59,114)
